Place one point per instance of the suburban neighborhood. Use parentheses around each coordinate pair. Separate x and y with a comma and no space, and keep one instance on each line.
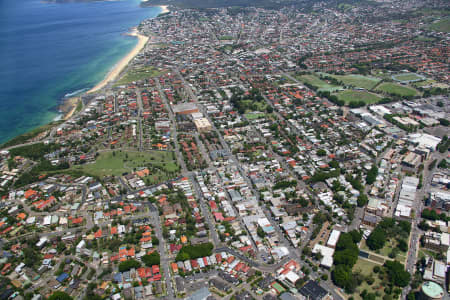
(245,153)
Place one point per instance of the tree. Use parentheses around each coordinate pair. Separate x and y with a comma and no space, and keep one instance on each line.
(194,251)
(59,296)
(376,239)
(372,175)
(411,296)
(397,273)
(362,200)
(260,232)
(402,245)
(128,265)
(342,276)
(345,257)
(356,236)
(151,259)
(321,152)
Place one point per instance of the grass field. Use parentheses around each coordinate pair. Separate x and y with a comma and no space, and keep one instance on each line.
(318,83)
(390,244)
(139,74)
(350,95)
(407,77)
(119,162)
(254,116)
(442,25)
(392,88)
(254,105)
(422,38)
(423,83)
(366,269)
(225,38)
(360,81)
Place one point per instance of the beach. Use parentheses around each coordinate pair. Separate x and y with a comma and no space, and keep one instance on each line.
(165,9)
(122,64)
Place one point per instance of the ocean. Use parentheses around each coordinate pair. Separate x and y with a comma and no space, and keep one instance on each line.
(52,50)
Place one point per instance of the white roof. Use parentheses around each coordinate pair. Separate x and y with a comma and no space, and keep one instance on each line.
(324,250)
(424,140)
(334,237)
(327,261)
(439,269)
(292,277)
(445,239)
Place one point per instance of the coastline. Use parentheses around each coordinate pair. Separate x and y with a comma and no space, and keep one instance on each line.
(165,9)
(69,106)
(123,63)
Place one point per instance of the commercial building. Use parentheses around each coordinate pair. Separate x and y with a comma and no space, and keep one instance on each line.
(202,125)
(185,108)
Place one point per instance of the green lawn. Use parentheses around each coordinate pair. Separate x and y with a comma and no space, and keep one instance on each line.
(390,244)
(118,162)
(350,95)
(392,88)
(318,83)
(254,116)
(360,81)
(442,25)
(225,38)
(139,74)
(407,77)
(423,83)
(251,105)
(366,269)
(422,38)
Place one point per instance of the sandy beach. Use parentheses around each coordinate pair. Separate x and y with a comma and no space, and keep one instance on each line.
(118,68)
(69,107)
(165,9)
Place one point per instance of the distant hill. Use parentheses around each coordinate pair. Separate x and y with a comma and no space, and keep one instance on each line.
(228,3)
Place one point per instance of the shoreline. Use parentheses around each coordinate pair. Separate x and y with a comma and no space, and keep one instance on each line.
(165,9)
(70,104)
(123,63)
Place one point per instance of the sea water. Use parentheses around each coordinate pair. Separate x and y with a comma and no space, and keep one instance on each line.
(52,50)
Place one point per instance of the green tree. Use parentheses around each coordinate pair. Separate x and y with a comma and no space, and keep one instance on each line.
(362,200)
(128,265)
(397,273)
(372,175)
(59,296)
(151,259)
(376,239)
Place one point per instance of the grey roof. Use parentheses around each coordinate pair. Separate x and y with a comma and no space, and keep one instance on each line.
(312,290)
(200,294)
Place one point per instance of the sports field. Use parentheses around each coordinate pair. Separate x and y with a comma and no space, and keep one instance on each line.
(360,81)
(396,89)
(318,83)
(254,116)
(442,25)
(350,95)
(407,77)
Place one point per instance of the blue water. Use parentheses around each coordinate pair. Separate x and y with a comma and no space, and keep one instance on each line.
(48,50)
